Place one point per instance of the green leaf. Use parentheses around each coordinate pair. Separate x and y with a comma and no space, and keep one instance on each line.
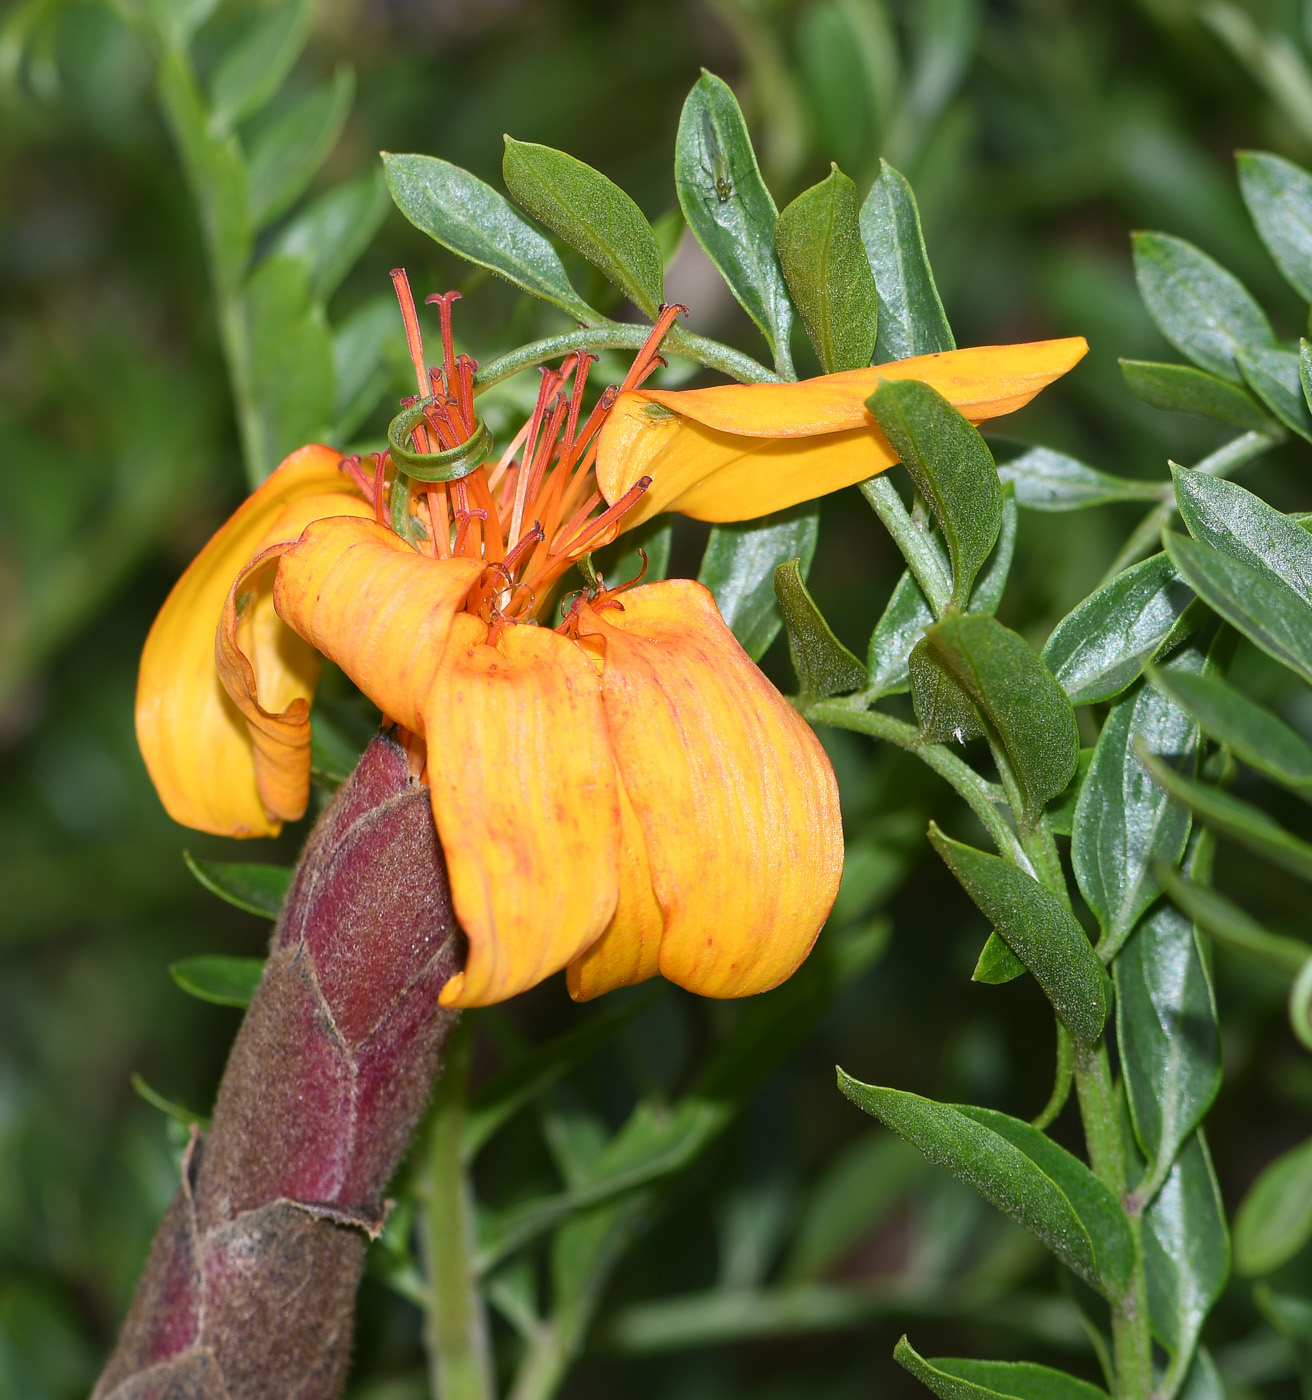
(1215,914)
(254,69)
(1103,644)
(1166,1032)
(1279,198)
(1061,814)
(847,57)
(1292,1319)
(1039,929)
(739,565)
(1018,695)
(1186,1249)
(1022,1172)
(332,232)
(911,316)
(590,213)
(361,363)
(952,469)
(179,1112)
(477,223)
(1254,735)
(1182,389)
(944,711)
(1255,601)
(1203,310)
(818,239)
(1203,1381)
(1052,481)
(1275,1218)
(1125,825)
(259,889)
(287,155)
(1273,375)
(728,206)
(991,583)
(996,964)
(955,1378)
(222,980)
(824,666)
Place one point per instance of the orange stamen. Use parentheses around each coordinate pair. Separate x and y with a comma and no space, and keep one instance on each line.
(440,521)
(414,341)
(625,503)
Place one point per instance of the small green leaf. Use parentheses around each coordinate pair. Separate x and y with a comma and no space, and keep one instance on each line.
(286,156)
(1039,929)
(1273,375)
(952,469)
(1018,696)
(1125,825)
(1215,914)
(1166,1032)
(1275,1218)
(1182,389)
(846,55)
(911,316)
(222,980)
(1279,198)
(944,711)
(818,239)
(739,564)
(1203,310)
(592,214)
(174,1110)
(334,230)
(1186,1249)
(259,889)
(955,1378)
(1292,1319)
(1022,1172)
(361,363)
(728,207)
(824,666)
(1103,644)
(1052,481)
(996,963)
(474,221)
(251,73)
(1255,736)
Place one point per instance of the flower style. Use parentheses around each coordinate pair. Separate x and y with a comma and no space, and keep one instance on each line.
(622,795)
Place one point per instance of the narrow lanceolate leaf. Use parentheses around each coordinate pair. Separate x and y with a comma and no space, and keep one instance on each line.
(1052,481)
(1186,1249)
(252,71)
(1125,825)
(1279,198)
(1022,1172)
(476,222)
(332,232)
(952,468)
(1167,1033)
(1183,389)
(1215,914)
(592,214)
(738,567)
(824,666)
(1039,929)
(728,206)
(259,889)
(1240,821)
(1275,1220)
(222,980)
(956,1378)
(1273,375)
(1018,696)
(286,156)
(1254,735)
(1203,310)
(818,240)
(1103,644)
(1256,602)
(911,316)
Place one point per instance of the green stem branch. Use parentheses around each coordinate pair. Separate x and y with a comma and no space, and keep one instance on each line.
(918,548)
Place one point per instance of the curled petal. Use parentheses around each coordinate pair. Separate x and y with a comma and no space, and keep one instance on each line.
(738,451)
(378,608)
(526,804)
(735,798)
(195,741)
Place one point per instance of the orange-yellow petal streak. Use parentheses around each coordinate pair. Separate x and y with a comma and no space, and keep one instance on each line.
(526,804)
(735,797)
(194,740)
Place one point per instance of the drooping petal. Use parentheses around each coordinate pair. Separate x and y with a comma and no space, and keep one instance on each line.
(194,740)
(735,797)
(526,804)
(374,605)
(738,451)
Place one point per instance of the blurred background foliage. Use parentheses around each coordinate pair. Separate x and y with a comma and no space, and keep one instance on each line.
(1037,134)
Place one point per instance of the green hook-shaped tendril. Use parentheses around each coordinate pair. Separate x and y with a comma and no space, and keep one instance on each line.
(450,465)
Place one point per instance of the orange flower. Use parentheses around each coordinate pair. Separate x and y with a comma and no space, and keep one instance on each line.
(624,795)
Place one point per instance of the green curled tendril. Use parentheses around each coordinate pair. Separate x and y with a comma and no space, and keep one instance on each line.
(451,465)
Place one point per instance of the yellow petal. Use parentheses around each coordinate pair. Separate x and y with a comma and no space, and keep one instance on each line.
(735,797)
(526,804)
(377,607)
(194,740)
(738,451)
